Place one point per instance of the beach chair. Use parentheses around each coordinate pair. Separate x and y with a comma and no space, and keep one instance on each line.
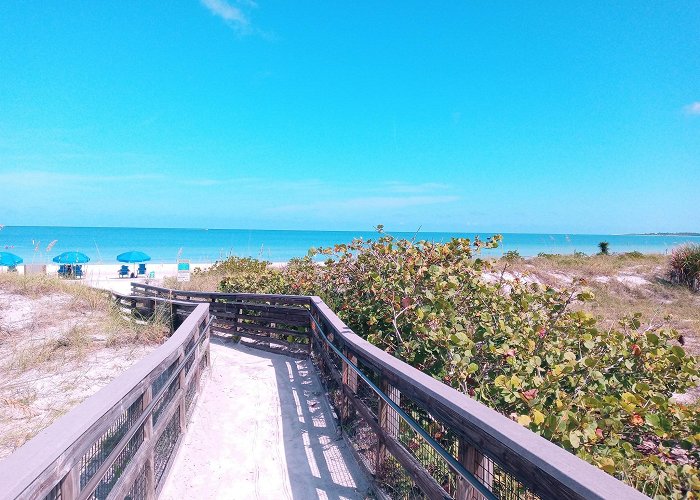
(142,269)
(78,271)
(124,272)
(62,271)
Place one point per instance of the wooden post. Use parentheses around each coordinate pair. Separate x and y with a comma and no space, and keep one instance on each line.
(183,392)
(479,465)
(148,441)
(70,486)
(388,419)
(350,380)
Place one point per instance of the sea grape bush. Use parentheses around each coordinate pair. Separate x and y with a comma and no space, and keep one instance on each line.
(518,347)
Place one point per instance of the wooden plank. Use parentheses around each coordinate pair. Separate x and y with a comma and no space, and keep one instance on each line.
(272,340)
(266,318)
(480,466)
(70,486)
(253,328)
(254,307)
(281,350)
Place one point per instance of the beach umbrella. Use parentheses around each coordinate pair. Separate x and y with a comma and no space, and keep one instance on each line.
(9,259)
(133,256)
(71,258)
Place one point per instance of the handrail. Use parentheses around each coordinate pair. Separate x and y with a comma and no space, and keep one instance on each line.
(458,467)
(549,470)
(510,450)
(52,464)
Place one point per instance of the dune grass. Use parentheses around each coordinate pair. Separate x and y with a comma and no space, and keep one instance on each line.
(60,342)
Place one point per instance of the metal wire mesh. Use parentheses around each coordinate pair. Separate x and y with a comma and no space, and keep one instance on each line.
(161,380)
(189,346)
(189,395)
(188,364)
(138,488)
(165,446)
(100,450)
(389,474)
(164,401)
(118,467)
(203,362)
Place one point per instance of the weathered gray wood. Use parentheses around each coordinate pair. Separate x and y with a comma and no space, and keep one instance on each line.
(252,327)
(476,463)
(126,480)
(272,340)
(266,318)
(254,344)
(148,442)
(42,462)
(70,486)
(548,470)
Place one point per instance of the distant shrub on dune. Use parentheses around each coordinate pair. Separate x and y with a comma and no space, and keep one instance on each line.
(511,256)
(685,265)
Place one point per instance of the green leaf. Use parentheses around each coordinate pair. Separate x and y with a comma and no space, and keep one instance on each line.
(652,419)
(678,351)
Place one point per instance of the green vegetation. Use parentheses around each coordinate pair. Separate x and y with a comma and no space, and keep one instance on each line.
(529,350)
(512,256)
(685,265)
(59,343)
(604,247)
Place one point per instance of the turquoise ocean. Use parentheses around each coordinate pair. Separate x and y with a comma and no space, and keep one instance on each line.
(103,244)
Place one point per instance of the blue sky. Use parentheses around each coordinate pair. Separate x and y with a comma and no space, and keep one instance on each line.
(464,116)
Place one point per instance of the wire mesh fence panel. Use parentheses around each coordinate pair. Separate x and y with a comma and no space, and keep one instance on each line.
(189,346)
(93,459)
(364,392)
(164,401)
(396,482)
(162,379)
(188,364)
(165,446)
(118,467)
(419,448)
(504,485)
(138,488)
(189,395)
(203,362)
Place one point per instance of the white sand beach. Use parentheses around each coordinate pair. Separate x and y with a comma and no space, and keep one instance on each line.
(106,276)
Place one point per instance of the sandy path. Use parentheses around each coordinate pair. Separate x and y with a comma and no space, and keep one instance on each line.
(262,428)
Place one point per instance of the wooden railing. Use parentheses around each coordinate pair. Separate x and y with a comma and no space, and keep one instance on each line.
(416,436)
(277,323)
(120,442)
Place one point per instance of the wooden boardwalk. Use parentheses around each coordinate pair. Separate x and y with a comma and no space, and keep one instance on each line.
(262,428)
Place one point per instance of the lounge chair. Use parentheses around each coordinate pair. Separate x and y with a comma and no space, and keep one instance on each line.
(124,272)
(142,269)
(78,271)
(63,271)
